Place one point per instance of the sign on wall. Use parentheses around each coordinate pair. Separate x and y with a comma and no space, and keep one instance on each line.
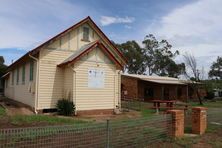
(96,78)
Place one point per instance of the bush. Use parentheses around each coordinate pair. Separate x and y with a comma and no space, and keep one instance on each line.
(210,95)
(65,107)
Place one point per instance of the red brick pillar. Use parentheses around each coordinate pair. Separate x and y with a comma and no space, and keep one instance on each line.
(199,120)
(177,129)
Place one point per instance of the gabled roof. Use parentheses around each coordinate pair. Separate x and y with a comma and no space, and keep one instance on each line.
(86,49)
(157,79)
(38,48)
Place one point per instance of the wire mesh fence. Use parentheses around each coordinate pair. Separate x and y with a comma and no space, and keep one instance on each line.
(135,104)
(214,116)
(127,133)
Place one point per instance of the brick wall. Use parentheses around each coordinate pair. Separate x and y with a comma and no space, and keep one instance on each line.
(177,129)
(158,91)
(135,89)
(130,85)
(193,95)
(199,120)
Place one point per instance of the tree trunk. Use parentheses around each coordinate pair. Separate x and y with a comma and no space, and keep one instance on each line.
(198,96)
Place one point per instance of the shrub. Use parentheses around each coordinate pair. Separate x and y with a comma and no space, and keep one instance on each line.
(65,107)
(210,95)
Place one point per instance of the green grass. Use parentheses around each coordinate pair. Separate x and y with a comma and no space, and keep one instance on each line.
(187,142)
(24,119)
(209,104)
(147,112)
(2,111)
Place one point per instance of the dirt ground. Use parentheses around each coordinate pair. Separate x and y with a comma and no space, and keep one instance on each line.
(210,140)
(102,118)
(14,108)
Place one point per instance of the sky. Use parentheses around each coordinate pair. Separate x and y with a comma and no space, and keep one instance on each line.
(192,26)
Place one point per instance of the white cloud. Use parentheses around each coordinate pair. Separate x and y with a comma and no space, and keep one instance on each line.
(25,24)
(108,20)
(195,28)
(128,27)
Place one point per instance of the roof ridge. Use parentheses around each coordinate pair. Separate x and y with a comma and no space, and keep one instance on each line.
(36,49)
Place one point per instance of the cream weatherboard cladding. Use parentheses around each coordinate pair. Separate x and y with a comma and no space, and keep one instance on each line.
(69,81)
(51,78)
(96,98)
(24,93)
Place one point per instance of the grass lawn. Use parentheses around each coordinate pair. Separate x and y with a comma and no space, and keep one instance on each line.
(2,111)
(147,112)
(208,104)
(30,120)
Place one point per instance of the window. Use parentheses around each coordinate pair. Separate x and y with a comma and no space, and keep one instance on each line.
(13,76)
(85,33)
(17,76)
(23,74)
(179,92)
(166,94)
(6,83)
(149,92)
(31,70)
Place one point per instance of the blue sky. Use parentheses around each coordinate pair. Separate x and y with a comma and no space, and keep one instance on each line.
(190,25)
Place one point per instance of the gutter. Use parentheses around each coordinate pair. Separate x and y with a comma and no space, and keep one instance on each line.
(36,81)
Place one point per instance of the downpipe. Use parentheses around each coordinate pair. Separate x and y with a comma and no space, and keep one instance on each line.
(74,84)
(36,81)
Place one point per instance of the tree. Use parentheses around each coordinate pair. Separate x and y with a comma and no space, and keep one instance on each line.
(159,58)
(2,70)
(174,70)
(134,54)
(2,66)
(193,73)
(216,69)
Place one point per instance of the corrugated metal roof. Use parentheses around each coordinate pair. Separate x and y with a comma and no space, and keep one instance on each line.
(5,75)
(157,79)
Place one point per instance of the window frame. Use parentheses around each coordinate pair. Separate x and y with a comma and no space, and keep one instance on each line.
(31,70)
(85,36)
(17,76)
(13,77)
(6,83)
(23,74)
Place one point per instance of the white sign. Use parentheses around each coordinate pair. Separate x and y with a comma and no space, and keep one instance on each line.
(96,78)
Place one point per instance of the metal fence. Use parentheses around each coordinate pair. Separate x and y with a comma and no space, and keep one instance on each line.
(214,116)
(127,133)
(135,104)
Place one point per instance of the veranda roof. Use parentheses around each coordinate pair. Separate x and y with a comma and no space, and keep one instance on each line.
(157,79)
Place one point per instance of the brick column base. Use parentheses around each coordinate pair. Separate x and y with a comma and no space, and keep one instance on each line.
(199,120)
(177,130)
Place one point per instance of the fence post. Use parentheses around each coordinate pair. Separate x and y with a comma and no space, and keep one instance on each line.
(107,133)
(199,120)
(177,129)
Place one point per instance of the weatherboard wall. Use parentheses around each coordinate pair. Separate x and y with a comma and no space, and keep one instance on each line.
(22,92)
(96,98)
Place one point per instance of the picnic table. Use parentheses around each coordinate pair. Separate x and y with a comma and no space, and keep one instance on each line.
(157,104)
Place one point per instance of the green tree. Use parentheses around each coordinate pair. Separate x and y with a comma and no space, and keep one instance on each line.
(2,70)
(216,69)
(174,70)
(134,54)
(160,59)
(2,66)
